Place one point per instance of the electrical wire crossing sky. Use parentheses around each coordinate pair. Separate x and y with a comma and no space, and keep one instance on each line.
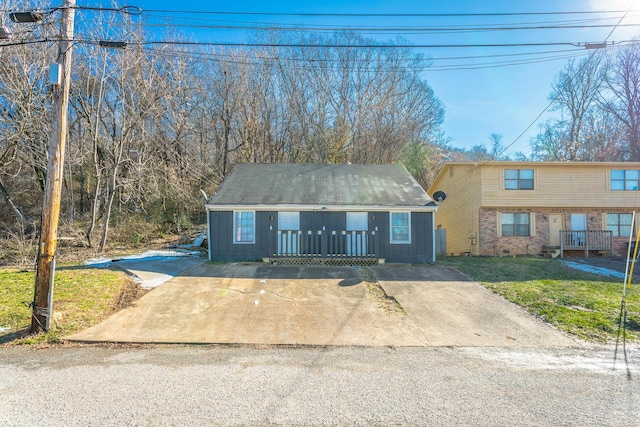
(491,63)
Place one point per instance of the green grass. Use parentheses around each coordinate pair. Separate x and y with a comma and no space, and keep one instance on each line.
(82,297)
(584,304)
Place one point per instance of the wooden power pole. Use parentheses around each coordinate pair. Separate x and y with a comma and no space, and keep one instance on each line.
(43,294)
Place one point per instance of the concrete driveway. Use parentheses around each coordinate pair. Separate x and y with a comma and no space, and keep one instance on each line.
(258,304)
(451,310)
(293,305)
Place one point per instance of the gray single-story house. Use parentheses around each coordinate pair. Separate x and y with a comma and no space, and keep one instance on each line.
(321,212)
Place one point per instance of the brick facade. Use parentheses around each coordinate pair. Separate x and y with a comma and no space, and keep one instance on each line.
(491,244)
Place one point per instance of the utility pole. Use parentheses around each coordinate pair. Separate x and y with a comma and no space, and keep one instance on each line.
(43,294)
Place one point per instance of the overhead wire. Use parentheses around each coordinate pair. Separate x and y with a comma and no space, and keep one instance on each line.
(593,19)
(379,30)
(553,100)
(368,45)
(384,15)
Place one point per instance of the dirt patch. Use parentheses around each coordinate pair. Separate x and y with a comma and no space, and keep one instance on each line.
(375,291)
(128,295)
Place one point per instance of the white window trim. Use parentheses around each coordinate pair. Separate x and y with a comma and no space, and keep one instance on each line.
(235,241)
(532,224)
(633,230)
(402,242)
(624,180)
(504,179)
(351,216)
(282,220)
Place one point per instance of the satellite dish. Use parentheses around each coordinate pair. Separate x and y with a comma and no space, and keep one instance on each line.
(439,196)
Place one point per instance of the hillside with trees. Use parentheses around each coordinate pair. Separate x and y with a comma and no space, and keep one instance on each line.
(153,124)
(149,127)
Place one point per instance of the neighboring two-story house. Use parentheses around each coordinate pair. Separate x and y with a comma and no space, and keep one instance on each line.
(520,208)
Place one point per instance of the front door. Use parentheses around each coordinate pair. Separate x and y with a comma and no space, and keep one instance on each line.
(288,233)
(579,223)
(555,226)
(357,226)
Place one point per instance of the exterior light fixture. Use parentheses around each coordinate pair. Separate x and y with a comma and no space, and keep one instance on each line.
(29,16)
(5,33)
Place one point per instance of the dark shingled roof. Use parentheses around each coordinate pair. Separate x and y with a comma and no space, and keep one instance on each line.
(252,184)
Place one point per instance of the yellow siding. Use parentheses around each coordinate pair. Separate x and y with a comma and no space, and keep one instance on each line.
(459,212)
(558,185)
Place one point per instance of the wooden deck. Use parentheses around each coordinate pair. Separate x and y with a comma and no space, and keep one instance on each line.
(586,240)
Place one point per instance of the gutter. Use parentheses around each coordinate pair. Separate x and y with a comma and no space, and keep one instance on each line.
(430,207)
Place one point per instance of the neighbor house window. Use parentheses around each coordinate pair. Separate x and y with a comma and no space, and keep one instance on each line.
(400,227)
(515,224)
(624,180)
(518,179)
(619,224)
(244,225)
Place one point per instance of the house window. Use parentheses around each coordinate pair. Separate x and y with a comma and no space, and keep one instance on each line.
(400,227)
(357,221)
(518,179)
(619,224)
(624,180)
(244,225)
(515,224)
(289,221)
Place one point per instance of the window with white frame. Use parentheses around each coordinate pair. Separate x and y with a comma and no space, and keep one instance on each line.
(624,180)
(518,179)
(400,227)
(619,224)
(244,225)
(289,221)
(515,224)
(357,221)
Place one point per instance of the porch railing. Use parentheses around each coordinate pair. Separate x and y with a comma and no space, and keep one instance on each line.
(586,240)
(325,244)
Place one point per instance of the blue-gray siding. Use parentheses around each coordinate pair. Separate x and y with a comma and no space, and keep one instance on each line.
(222,247)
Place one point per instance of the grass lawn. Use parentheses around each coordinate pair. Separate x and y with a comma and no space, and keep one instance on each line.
(82,297)
(586,305)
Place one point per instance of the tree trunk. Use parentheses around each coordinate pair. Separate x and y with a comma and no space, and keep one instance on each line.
(107,214)
(12,207)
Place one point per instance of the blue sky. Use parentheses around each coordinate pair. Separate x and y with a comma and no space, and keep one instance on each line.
(480,100)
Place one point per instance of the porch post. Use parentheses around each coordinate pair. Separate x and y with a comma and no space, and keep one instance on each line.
(587,242)
(323,243)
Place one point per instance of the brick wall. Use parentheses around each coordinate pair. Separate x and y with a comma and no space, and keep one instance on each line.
(490,244)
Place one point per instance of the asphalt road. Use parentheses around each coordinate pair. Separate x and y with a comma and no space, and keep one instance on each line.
(203,385)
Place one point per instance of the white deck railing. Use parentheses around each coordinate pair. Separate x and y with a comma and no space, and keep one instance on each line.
(325,244)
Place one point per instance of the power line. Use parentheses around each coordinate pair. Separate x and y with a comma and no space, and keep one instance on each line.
(367,45)
(551,102)
(397,30)
(382,15)
(553,55)
(308,62)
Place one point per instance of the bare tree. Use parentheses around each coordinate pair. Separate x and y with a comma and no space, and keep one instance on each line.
(623,81)
(575,93)
(24,124)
